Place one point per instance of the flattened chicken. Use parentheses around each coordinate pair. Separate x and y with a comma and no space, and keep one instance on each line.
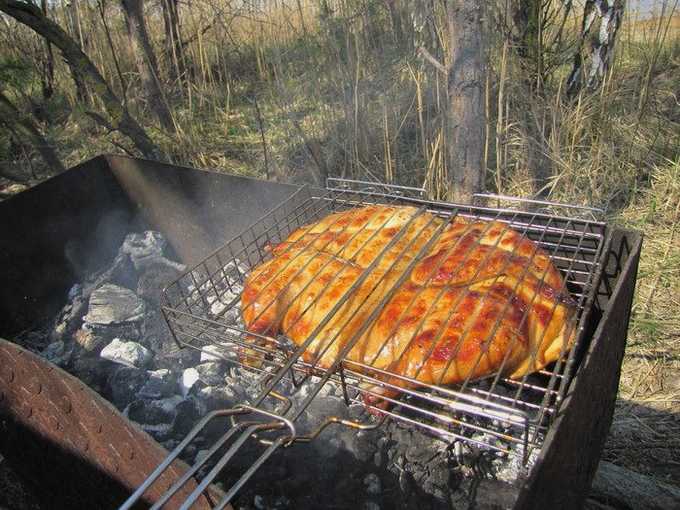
(480,300)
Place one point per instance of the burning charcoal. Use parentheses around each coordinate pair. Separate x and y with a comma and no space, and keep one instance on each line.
(437,480)
(155,416)
(362,444)
(130,354)
(200,455)
(147,248)
(423,449)
(179,360)
(170,444)
(92,371)
(211,372)
(357,412)
(189,412)
(57,353)
(328,448)
(111,304)
(205,468)
(259,503)
(217,307)
(189,377)
(218,397)
(89,341)
(124,385)
(208,349)
(405,481)
(232,317)
(121,272)
(281,503)
(235,271)
(71,315)
(153,279)
(372,483)
(161,383)
(154,412)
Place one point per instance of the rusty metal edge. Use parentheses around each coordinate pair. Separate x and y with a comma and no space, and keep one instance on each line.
(77,448)
(571,453)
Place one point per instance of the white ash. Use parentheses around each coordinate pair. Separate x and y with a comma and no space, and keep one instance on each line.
(161,383)
(126,353)
(189,377)
(211,373)
(111,304)
(212,353)
(146,249)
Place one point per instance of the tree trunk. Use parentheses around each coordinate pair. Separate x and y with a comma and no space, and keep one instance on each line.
(47,76)
(119,117)
(395,19)
(174,52)
(526,15)
(145,59)
(75,30)
(112,48)
(25,130)
(466,117)
(599,40)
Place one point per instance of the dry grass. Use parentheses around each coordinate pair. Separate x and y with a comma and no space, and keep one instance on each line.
(646,430)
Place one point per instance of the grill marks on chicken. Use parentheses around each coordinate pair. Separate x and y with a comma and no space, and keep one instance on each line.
(483,299)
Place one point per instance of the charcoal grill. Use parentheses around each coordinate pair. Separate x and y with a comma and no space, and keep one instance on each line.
(563,413)
(517,418)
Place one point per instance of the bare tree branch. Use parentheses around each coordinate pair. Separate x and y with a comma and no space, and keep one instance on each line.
(25,130)
(436,63)
(120,118)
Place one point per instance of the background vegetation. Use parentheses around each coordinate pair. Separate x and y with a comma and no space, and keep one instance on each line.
(294,90)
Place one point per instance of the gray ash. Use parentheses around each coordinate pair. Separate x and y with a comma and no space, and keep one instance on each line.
(111,334)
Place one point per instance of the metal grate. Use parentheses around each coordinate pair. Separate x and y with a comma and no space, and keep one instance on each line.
(495,412)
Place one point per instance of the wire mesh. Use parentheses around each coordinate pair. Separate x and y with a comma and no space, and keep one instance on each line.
(493,411)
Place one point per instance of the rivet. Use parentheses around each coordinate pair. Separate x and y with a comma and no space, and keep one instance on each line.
(100,428)
(128,451)
(66,405)
(35,386)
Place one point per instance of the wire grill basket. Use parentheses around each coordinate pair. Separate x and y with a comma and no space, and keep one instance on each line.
(202,310)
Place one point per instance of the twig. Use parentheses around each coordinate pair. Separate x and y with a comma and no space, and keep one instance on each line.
(101,121)
(436,63)
(123,148)
(260,124)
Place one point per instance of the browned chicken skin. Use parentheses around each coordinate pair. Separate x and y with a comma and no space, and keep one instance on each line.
(480,299)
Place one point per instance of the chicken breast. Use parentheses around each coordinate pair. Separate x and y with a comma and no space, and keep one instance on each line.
(419,298)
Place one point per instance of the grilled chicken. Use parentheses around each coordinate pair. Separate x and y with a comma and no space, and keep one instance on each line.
(415,296)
